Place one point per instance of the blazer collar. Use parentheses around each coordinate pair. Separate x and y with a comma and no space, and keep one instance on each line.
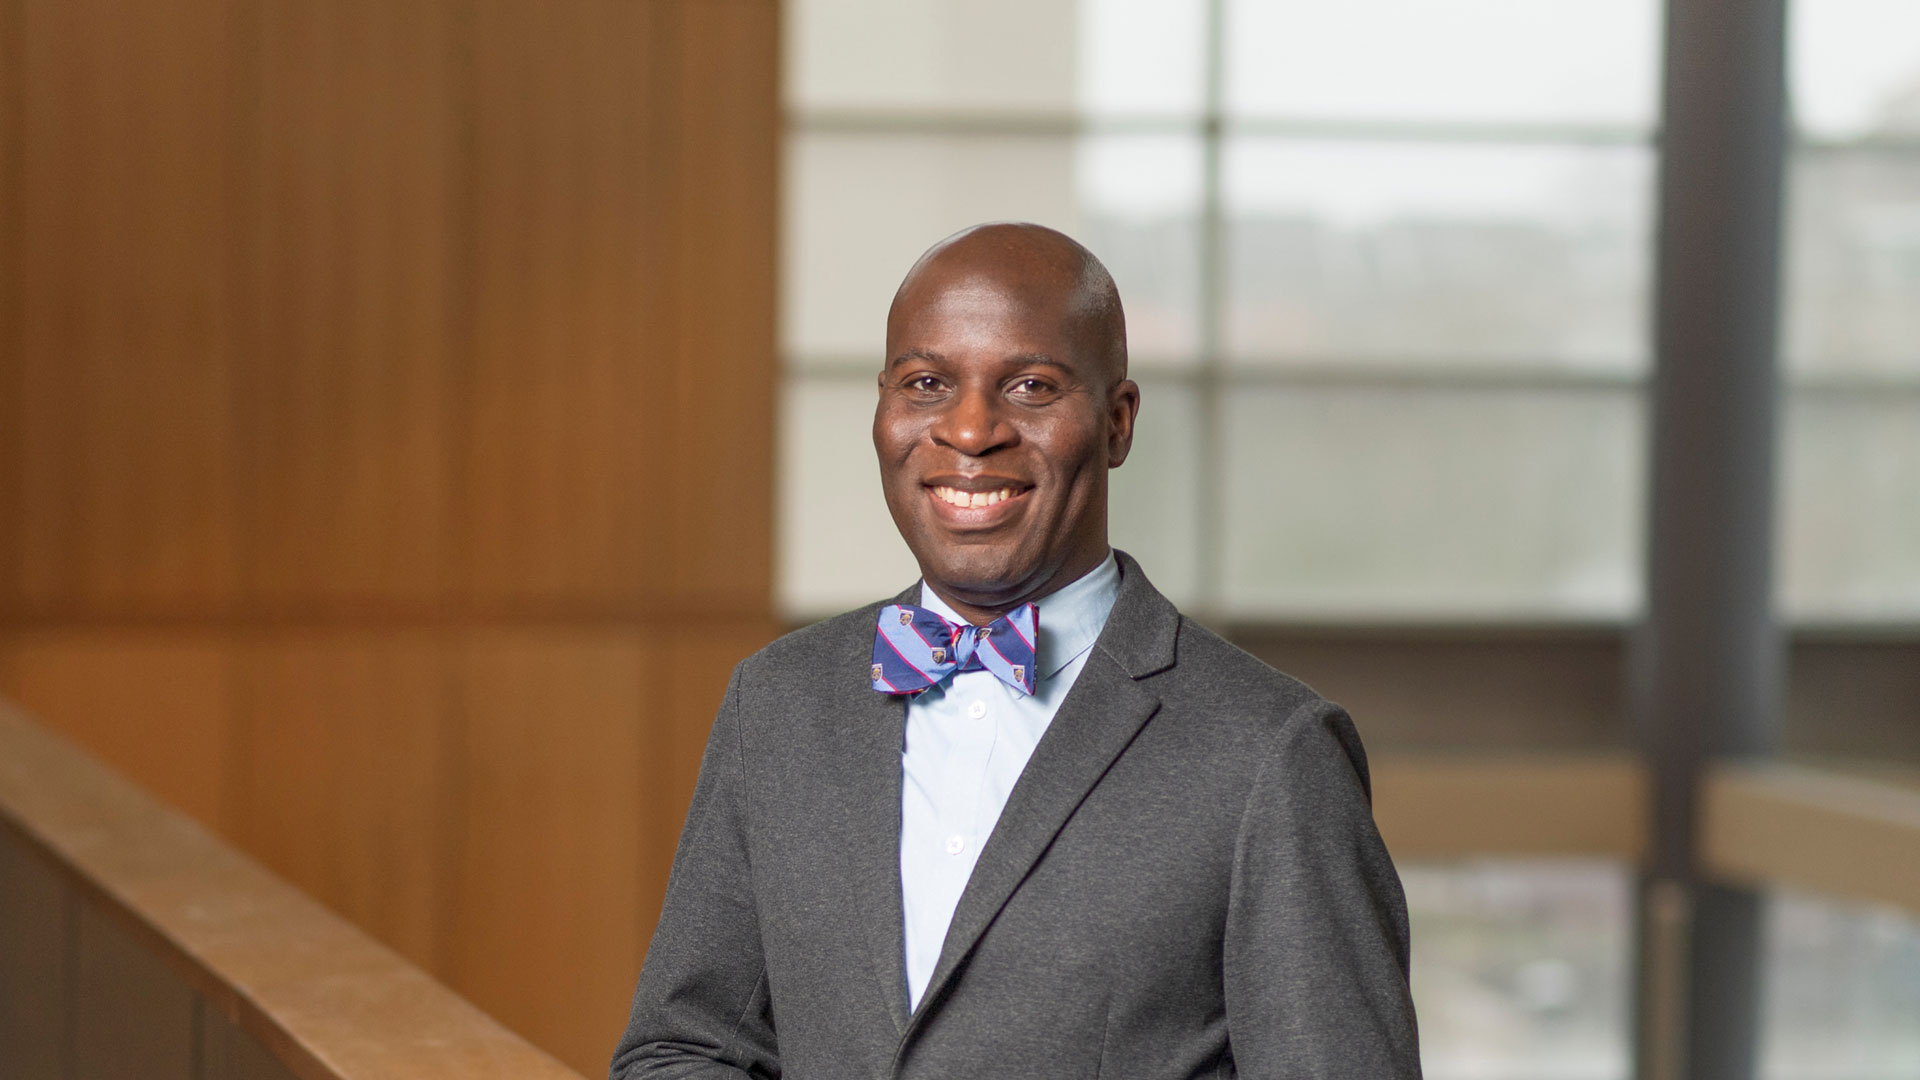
(1103,712)
(1099,718)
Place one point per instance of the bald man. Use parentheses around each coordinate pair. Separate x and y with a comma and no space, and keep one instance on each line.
(1024,819)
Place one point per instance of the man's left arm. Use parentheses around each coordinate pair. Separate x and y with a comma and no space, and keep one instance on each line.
(1316,950)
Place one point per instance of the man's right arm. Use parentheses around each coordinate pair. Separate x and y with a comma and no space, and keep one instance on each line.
(701,1007)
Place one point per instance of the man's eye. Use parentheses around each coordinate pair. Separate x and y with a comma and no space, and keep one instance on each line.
(926,384)
(1031,388)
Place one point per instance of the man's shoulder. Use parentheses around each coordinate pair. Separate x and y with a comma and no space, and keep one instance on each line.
(830,641)
(1216,673)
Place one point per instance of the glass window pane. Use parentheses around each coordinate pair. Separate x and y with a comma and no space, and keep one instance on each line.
(1853,262)
(1851,505)
(1359,252)
(1841,995)
(861,208)
(1389,503)
(838,547)
(1154,501)
(1045,56)
(1520,969)
(1855,66)
(1536,61)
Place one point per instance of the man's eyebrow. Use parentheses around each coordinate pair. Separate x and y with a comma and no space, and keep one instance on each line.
(927,356)
(1042,359)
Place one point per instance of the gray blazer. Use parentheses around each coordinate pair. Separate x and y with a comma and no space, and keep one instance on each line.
(1186,882)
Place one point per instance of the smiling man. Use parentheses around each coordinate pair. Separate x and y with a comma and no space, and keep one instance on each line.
(1024,820)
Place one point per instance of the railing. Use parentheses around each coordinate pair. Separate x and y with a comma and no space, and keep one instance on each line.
(135,943)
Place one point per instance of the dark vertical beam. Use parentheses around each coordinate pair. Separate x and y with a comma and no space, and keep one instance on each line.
(1708,668)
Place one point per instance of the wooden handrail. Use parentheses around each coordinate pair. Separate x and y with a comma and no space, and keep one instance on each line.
(1449,806)
(1824,829)
(317,994)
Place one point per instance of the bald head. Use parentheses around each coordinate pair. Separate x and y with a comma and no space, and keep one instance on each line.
(1003,404)
(1048,270)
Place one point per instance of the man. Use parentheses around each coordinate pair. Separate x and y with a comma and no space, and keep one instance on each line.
(1025,820)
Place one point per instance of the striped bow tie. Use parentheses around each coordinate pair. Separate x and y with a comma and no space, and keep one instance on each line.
(916,648)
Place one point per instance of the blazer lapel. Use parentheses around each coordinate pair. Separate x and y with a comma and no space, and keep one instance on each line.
(1100,716)
(874,731)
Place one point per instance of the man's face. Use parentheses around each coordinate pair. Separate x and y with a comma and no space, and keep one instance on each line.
(998,420)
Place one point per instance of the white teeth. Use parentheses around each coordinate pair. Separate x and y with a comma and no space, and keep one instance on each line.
(972,499)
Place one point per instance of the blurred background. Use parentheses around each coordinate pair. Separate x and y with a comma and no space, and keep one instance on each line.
(413,408)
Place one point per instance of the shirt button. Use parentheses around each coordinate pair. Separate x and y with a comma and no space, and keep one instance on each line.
(956,844)
(977,710)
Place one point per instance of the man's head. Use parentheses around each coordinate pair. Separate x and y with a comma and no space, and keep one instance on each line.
(1003,403)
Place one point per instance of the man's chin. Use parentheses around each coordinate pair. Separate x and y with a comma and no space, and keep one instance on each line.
(979,575)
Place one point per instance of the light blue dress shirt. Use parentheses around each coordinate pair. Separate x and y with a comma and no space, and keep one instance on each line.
(967,742)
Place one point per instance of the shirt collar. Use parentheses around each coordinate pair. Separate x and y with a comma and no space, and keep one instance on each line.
(1071,617)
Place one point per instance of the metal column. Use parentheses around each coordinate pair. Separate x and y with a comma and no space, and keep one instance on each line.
(1708,664)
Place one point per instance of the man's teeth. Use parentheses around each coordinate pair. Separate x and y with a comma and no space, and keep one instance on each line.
(971,498)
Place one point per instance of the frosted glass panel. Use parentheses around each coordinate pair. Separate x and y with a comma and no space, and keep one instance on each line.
(1553,61)
(1100,56)
(1397,252)
(1520,969)
(1852,506)
(1841,991)
(838,547)
(861,208)
(1853,262)
(1855,66)
(1154,508)
(1349,503)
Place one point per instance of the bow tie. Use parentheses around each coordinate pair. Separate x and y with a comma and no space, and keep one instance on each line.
(915,648)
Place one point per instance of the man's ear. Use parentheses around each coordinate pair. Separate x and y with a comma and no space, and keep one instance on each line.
(1123,405)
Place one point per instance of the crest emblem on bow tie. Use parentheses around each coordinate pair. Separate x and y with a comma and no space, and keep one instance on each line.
(914,648)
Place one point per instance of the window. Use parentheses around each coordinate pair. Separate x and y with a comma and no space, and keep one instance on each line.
(1850,485)
(1385,265)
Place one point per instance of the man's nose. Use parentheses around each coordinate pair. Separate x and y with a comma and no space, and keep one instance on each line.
(973,423)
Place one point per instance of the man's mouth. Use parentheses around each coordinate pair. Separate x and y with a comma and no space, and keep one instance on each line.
(974,499)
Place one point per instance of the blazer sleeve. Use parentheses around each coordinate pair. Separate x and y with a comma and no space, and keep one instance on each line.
(701,1008)
(1316,946)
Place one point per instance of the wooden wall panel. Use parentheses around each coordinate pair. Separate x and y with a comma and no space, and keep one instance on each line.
(553,806)
(386,394)
(154,704)
(345,381)
(340,774)
(227,1053)
(132,1015)
(12,406)
(125,327)
(34,931)
(724,81)
(563,465)
(691,677)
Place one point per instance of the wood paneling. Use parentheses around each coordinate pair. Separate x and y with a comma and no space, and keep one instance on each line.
(344,384)
(722,291)
(125,329)
(227,1053)
(563,464)
(553,807)
(34,933)
(12,407)
(166,907)
(132,1015)
(154,704)
(386,394)
(692,670)
(340,774)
